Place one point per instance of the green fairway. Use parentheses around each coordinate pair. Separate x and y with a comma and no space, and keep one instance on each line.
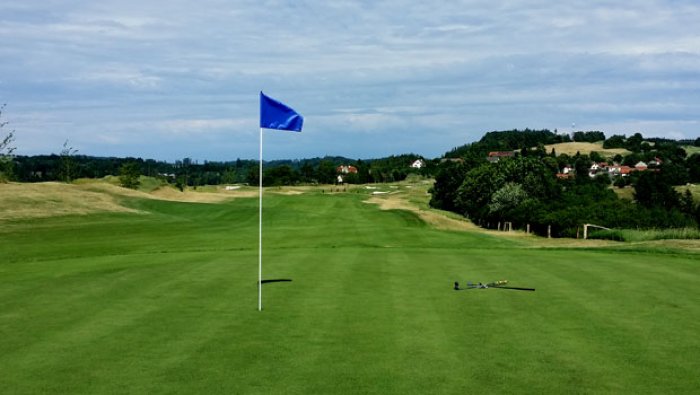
(165,301)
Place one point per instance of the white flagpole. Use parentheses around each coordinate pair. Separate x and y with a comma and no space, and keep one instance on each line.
(260,227)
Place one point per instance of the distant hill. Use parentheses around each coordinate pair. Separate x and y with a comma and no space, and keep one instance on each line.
(508,140)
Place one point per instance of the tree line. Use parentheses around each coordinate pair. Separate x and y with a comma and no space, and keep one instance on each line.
(68,166)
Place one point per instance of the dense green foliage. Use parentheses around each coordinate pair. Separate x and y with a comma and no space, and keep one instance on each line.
(129,175)
(508,140)
(166,303)
(524,190)
(589,137)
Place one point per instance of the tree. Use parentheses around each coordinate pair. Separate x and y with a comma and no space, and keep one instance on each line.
(581,167)
(474,195)
(307,172)
(620,182)
(653,190)
(687,203)
(674,174)
(280,175)
(326,172)
(506,199)
(66,170)
(615,141)
(634,142)
(253,176)
(129,175)
(596,157)
(590,137)
(693,164)
(6,152)
(230,176)
(448,178)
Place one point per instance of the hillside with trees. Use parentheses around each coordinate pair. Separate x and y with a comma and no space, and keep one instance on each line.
(561,192)
(508,140)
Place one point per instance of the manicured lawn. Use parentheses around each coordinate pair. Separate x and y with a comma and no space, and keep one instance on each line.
(166,302)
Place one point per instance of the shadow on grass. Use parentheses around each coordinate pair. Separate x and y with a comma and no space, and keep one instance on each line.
(278,280)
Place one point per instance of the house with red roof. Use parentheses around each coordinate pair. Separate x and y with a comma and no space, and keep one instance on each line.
(495,156)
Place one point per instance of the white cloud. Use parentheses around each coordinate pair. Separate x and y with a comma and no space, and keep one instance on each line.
(392,73)
(203,126)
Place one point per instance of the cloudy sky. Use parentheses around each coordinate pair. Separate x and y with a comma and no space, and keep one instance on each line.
(173,79)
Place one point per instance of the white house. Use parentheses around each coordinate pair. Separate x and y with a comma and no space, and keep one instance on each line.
(597,168)
(641,166)
(418,164)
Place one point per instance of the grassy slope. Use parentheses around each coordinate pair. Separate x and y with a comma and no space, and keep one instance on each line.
(628,192)
(585,149)
(166,303)
(690,150)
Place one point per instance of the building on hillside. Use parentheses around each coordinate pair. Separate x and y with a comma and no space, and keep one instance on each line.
(453,160)
(418,164)
(343,169)
(598,168)
(618,170)
(656,162)
(641,166)
(625,171)
(495,156)
(566,173)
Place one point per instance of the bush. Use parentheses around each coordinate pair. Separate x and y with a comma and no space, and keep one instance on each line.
(129,175)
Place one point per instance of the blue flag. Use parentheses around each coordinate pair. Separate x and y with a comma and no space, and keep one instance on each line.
(276,115)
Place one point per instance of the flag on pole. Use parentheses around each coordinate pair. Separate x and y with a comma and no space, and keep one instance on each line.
(273,115)
(277,115)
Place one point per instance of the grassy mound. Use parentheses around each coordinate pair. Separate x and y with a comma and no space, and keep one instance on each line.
(21,201)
